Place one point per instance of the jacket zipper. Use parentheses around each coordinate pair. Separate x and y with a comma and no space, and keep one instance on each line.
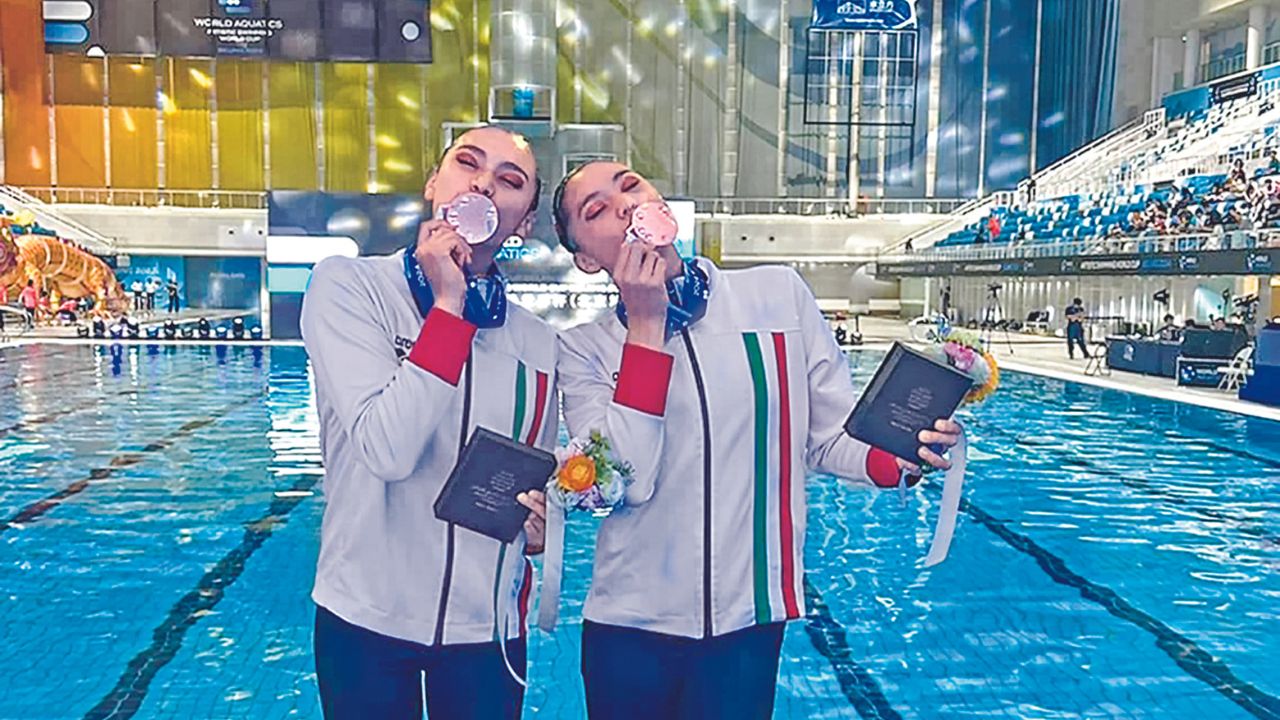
(448,551)
(706,486)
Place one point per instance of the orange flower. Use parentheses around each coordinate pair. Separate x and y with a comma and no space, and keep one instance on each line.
(981,393)
(578,474)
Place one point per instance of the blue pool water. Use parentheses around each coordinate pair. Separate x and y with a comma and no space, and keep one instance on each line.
(1116,556)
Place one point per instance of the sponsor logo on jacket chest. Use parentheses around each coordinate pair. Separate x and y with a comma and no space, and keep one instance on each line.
(403,345)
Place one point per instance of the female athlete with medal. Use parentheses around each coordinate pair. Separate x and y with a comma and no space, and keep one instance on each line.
(408,605)
(720,389)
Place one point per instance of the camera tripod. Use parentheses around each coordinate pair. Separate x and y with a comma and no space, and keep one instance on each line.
(992,312)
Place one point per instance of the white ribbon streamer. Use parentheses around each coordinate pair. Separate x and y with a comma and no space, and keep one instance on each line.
(952,485)
(505,599)
(552,566)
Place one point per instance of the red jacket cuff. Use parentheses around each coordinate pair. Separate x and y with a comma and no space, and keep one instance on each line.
(883,469)
(443,345)
(643,379)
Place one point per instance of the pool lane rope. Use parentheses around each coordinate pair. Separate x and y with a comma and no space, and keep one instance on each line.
(952,488)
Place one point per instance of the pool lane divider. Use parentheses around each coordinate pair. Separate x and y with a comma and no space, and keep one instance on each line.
(126,698)
(59,414)
(1230,450)
(1070,460)
(121,461)
(829,638)
(1185,652)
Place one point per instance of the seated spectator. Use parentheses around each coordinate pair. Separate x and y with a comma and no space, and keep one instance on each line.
(1237,180)
(993,227)
(1183,200)
(1251,193)
(1273,162)
(1169,332)
(67,311)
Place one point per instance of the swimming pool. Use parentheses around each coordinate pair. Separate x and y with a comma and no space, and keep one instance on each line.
(1116,556)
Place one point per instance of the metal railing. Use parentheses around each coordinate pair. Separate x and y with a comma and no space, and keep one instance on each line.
(1143,245)
(972,210)
(1222,67)
(49,217)
(827,206)
(1101,147)
(1082,171)
(1211,154)
(222,199)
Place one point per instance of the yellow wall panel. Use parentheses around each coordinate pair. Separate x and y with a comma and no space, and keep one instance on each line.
(454,72)
(188,135)
(78,120)
(132,110)
(400,127)
(240,136)
(291,97)
(346,126)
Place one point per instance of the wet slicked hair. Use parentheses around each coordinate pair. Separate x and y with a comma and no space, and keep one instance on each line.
(558,212)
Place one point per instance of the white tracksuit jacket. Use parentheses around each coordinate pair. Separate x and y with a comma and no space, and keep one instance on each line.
(397,399)
(721,428)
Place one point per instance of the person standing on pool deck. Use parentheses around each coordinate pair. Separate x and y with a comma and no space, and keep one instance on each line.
(30,300)
(1075,329)
(171,288)
(721,389)
(405,370)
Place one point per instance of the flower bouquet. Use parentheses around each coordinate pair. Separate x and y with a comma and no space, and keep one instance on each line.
(588,477)
(963,351)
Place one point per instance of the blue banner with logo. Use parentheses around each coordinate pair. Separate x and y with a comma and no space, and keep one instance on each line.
(1206,263)
(863,15)
(224,283)
(152,272)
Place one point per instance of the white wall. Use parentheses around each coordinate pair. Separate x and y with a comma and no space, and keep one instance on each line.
(765,237)
(174,231)
(1135,49)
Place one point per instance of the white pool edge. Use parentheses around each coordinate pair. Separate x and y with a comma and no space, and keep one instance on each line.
(1223,404)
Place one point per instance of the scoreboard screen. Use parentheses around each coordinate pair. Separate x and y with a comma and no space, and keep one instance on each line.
(317,30)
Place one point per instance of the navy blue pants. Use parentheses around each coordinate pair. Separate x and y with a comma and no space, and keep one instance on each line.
(363,674)
(638,674)
(1075,336)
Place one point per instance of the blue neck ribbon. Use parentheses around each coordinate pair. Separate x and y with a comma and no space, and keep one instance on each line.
(485,304)
(687,298)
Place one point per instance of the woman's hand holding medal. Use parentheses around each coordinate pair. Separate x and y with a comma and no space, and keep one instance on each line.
(444,246)
(443,253)
(641,277)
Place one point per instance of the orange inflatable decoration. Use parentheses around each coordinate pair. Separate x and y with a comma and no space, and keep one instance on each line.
(57,266)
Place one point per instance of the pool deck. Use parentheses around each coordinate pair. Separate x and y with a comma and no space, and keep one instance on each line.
(1038,355)
(16,335)
(1047,356)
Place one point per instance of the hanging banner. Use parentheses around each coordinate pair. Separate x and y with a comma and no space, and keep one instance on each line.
(1260,261)
(863,15)
(312,30)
